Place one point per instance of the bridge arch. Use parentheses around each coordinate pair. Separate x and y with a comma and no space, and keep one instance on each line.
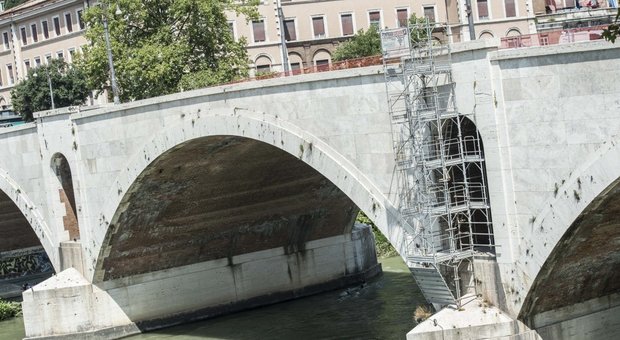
(61,168)
(271,131)
(573,250)
(11,191)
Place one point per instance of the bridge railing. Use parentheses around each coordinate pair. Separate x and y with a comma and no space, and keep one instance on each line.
(339,65)
(554,37)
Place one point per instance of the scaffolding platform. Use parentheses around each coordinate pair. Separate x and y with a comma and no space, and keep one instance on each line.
(439,159)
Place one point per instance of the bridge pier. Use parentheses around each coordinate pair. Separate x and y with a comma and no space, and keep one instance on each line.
(69,305)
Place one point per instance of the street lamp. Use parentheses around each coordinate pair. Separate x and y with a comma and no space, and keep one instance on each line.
(49,82)
(109,51)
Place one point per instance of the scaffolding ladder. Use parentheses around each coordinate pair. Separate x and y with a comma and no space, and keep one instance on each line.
(440,185)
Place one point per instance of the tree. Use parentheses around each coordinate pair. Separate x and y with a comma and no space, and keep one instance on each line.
(165,46)
(363,44)
(366,44)
(33,93)
(418,30)
(12,3)
(613,30)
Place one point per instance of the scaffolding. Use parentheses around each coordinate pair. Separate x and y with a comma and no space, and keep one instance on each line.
(441,184)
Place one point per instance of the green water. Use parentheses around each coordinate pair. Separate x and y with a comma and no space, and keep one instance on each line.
(383,309)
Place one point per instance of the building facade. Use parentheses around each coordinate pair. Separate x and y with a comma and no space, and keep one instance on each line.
(35,32)
(307,35)
(311,30)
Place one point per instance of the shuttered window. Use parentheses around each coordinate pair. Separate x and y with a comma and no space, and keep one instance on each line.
(258,28)
(374,18)
(511,10)
(402,15)
(289,30)
(347,24)
(483,9)
(318,24)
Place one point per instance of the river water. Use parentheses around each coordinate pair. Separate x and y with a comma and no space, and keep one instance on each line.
(383,309)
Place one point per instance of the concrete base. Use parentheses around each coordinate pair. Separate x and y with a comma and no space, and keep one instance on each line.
(593,319)
(69,306)
(475,320)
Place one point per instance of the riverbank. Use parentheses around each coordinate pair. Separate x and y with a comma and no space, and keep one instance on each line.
(9,309)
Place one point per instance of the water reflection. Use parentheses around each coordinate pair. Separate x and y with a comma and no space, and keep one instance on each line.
(382,309)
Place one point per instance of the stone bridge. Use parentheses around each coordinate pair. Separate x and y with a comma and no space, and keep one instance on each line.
(214,200)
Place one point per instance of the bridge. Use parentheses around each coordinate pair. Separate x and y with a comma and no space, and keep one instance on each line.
(215,200)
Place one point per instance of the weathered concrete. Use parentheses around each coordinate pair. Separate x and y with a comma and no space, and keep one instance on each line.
(474,320)
(199,290)
(548,117)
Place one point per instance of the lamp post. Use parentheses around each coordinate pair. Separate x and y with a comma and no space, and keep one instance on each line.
(109,51)
(49,83)
(282,26)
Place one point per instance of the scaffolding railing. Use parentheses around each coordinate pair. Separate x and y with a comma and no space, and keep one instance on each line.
(440,163)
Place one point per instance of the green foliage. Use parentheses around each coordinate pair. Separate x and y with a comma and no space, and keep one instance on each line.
(366,44)
(9,309)
(12,3)
(33,94)
(613,30)
(363,44)
(164,46)
(418,32)
(383,246)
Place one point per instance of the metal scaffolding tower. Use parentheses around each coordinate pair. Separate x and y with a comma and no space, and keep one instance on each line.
(440,163)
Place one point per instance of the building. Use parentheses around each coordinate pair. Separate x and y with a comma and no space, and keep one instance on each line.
(35,32)
(38,30)
(313,29)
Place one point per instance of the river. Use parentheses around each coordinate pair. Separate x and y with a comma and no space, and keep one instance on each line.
(383,309)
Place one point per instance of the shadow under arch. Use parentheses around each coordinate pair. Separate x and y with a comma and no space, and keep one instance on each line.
(272,132)
(62,170)
(22,227)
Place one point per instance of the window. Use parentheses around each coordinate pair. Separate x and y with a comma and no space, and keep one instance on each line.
(483,10)
(22,31)
(258,29)
(80,20)
(322,65)
(346,21)
(374,19)
(296,68)
(402,15)
(429,13)
(318,27)
(46,31)
(231,28)
(68,22)
(35,34)
(27,65)
(9,72)
(47,58)
(511,10)
(5,39)
(262,69)
(60,55)
(57,26)
(289,30)
(71,54)
(37,61)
